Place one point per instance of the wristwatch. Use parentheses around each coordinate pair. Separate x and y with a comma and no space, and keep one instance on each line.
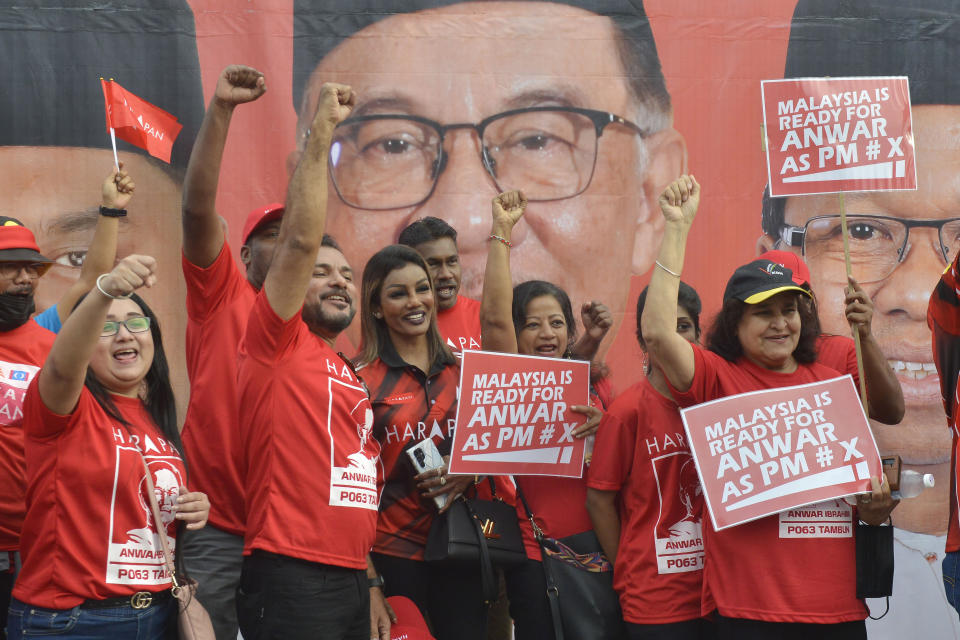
(375,582)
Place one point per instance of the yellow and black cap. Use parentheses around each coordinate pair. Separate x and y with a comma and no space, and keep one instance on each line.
(755,282)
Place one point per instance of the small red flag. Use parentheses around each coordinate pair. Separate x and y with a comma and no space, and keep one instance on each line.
(139,122)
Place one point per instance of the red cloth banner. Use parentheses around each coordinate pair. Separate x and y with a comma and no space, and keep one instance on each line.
(514,415)
(826,135)
(139,122)
(762,452)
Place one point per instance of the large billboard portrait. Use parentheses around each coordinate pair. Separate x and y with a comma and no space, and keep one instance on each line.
(55,148)
(591,107)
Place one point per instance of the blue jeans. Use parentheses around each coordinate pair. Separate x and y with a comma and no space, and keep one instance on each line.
(26,621)
(951,578)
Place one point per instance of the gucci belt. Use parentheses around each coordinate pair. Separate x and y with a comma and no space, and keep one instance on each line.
(139,600)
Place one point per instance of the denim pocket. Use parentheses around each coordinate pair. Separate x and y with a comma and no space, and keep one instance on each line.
(39,622)
(951,578)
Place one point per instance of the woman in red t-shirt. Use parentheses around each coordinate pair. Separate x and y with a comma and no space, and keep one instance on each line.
(534,318)
(101,405)
(646,502)
(761,579)
(412,377)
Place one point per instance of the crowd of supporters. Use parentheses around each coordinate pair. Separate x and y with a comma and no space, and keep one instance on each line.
(289,494)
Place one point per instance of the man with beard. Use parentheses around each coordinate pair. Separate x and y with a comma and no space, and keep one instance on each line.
(311,515)
(900,243)
(219,299)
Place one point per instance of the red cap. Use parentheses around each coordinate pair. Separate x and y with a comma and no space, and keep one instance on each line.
(260,216)
(17,244)
(790,260)
(410,624)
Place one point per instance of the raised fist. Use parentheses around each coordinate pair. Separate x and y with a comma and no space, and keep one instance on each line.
(117,189)
(508,208)
(596,319)
(679,201)
(336,103)
(130,274)
(238,84)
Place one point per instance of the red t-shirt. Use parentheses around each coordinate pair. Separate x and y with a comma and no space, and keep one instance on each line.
(839,353)
(460,324)
(312,467)
(219,299)
(22,352)
(408,407)
(641,452)
(764,570)
(89,533)
(559,505)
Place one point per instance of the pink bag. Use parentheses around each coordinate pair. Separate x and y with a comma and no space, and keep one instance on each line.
(193,621)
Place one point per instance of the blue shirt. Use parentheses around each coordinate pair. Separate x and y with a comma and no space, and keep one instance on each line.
(49,319)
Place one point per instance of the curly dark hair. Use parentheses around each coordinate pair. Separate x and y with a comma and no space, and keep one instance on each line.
(723,338)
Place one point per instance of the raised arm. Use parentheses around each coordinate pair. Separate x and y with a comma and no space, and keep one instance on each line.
(884,395)
(667,348)
(61,378)
(496,304)
(117,190)
(202,232)
(302,229)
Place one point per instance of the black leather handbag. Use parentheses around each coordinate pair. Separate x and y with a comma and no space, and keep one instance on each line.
(476,531)
(583,603)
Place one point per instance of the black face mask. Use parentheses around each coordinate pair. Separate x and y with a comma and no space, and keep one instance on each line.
(15,310)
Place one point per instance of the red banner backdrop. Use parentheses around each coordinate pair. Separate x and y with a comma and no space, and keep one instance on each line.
(463,62)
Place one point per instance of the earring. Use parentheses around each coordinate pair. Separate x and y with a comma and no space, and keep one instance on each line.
(377,315)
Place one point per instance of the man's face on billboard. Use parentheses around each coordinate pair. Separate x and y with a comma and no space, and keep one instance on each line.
(508,56)
(55,192)
(900,296)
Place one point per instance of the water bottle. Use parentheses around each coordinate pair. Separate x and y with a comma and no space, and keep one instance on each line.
(912,484)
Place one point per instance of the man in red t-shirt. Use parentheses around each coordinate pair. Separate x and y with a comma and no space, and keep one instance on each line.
(219,299)
(312,469)
(23,347)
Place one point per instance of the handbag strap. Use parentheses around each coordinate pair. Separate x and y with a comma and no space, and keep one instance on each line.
(553,591)
(158,523)
(487,581)
(537,531)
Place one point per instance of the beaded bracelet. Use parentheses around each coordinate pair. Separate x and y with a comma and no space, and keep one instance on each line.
(109,295)
(503,240)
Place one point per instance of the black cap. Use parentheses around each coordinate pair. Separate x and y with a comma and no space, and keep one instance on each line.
(54,52)
(915,38)
(319,27)
(761,279)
